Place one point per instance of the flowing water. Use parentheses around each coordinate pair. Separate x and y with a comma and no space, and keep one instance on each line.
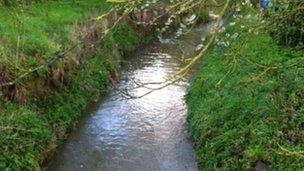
(148,133)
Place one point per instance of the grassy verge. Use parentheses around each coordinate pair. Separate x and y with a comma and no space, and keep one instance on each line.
(246,104)
(31,34)
(38,111)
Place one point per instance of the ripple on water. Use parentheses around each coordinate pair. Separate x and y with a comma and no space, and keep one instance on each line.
(149,133)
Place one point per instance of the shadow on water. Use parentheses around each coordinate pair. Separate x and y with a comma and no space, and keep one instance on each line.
(149,133)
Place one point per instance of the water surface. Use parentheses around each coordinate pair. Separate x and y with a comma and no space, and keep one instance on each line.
(148,133)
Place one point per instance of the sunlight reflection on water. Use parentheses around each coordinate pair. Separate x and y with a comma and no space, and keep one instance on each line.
(149,133)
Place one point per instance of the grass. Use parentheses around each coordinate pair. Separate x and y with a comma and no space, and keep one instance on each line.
(35,32)
(29,131)
(203,16)
(246,104)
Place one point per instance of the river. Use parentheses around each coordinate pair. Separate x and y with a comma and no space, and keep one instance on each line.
(148,133)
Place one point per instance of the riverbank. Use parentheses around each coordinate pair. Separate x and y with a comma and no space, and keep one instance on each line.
(59,48)
(246,104)
(147,133)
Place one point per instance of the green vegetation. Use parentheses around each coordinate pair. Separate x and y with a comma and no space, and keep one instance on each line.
(36,113)
(27,133)
(288,21)
(18,2)
(203,16)
(246,104)
(31,34)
